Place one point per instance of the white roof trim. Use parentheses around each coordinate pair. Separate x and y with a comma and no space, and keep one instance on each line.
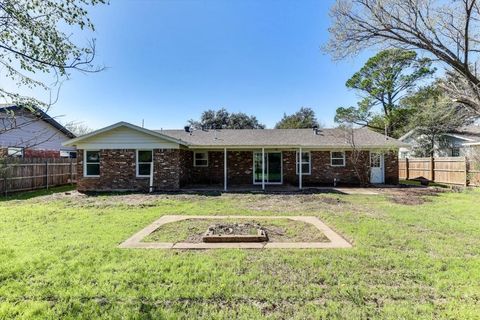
(319,147)
(406,135)
(75,141)
(458,137)
(409,133)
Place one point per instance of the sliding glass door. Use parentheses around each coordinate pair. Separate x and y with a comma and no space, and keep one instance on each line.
(273,167)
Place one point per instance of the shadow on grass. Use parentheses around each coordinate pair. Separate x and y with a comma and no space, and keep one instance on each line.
(36,193)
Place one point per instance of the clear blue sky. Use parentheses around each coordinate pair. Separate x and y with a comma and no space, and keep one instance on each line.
(170,60)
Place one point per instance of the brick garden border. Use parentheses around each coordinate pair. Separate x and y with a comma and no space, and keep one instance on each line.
(135,241)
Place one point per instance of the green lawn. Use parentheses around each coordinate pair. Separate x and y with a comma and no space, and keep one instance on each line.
(59,259)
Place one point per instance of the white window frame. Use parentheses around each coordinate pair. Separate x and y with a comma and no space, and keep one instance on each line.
(195,159)
(69,154)
(332,158)
(297,167)
(85,164)
(19,152)
(137,164)
(456,149)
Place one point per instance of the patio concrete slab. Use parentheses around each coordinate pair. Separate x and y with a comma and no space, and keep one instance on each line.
(336,241)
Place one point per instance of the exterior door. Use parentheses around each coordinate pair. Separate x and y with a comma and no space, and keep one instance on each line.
(377,171)
(273,168)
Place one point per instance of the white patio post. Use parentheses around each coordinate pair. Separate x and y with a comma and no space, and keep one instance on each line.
(263,168)
(225,169)
(300,175)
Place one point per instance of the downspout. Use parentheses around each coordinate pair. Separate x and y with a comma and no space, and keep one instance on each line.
(150,188)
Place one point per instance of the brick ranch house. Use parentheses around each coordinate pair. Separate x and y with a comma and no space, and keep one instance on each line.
(124,157)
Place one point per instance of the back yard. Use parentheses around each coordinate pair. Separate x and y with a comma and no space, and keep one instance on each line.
(415,255)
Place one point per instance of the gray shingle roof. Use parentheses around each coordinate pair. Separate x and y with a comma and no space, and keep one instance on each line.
(471,132)
(326,138)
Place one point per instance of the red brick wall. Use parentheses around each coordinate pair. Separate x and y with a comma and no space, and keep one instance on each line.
(167,171)
(391,168)
(118,171)
(239,165)
(173,168)
(322,173)
(34,153)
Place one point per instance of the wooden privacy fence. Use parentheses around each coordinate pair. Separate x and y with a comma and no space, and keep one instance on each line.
(31,174)
(454,170)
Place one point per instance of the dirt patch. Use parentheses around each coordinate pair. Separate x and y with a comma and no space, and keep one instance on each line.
(412,196)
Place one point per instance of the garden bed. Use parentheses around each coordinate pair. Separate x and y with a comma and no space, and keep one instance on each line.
(277,230)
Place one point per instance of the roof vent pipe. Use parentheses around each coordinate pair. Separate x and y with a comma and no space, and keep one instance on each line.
(188,129)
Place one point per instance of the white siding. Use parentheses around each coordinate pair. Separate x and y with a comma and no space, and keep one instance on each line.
(125,138)
(33,133)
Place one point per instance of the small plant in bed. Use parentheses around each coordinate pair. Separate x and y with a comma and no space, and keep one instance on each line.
(278,230)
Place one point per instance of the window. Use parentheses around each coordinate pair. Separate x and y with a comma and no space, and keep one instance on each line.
(305,162)
(15,152)
(403,154)
(200,159)
(455,152)
(68,154)
(144,163)
(92,163)
(337,159)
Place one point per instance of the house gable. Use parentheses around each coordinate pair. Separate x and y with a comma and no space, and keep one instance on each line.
(31,132)
(124,136)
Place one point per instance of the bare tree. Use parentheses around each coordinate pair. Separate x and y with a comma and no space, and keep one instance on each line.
(37,51)
(358,158)
(77,128)
(448,31)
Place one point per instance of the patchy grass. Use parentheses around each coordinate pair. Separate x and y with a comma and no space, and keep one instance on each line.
(59,259)
(278,230)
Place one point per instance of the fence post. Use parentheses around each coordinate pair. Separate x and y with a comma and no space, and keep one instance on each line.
(71,171)
(432,169)
(466,171)
(5,180)
(407,169)
(46,173)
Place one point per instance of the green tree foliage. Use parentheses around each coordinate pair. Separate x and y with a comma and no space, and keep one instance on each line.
(222,119)
(433,115)
(383,81)
(303,118)
(36,38)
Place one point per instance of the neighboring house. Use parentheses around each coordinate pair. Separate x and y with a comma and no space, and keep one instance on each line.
(127,157)
(32,134)
(459,143)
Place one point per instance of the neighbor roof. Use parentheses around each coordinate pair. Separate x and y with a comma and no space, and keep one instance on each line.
(40,114)
(470,133)
(325,138)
